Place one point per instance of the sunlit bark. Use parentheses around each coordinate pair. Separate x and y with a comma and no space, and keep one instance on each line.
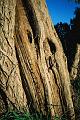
(39,76)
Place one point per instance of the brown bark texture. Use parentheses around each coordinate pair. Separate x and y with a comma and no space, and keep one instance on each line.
(33,67)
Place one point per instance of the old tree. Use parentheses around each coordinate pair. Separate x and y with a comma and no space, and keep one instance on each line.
(33,67)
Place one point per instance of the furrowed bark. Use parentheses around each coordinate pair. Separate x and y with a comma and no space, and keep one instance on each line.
(34,69)
(44,34)
(11,93)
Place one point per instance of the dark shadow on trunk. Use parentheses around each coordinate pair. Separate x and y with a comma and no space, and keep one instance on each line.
(31,15)
(52,46)
(29,36)
(4,98)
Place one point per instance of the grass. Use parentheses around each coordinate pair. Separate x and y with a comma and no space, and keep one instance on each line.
(12,115)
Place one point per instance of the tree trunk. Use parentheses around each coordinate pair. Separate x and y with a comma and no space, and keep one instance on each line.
(75,71)
(11,90)
(33,67)
(75,78)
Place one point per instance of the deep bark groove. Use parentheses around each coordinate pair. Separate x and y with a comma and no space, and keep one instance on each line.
(31,15)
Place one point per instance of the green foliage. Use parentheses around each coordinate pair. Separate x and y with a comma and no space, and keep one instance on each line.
(13,115)
(69,35)
(56,117)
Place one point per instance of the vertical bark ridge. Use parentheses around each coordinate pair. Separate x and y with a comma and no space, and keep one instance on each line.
(31,69)
(10,79)
(39,75)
